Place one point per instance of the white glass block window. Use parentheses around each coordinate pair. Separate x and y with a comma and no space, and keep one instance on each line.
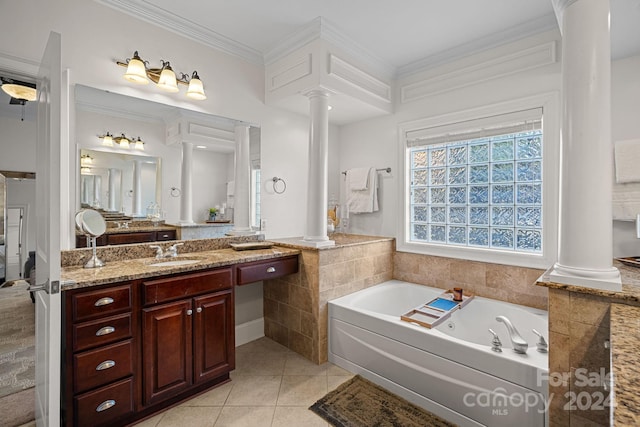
(478,184)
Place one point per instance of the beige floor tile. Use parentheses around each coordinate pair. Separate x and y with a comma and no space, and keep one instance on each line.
(337,371)
(334,381)
(298,365)
(151,422)
(260,364)
(294,416)
(190,416)
(29,424)
(263,346)
(214,397)
(301,390)
(253,390)
(245,416)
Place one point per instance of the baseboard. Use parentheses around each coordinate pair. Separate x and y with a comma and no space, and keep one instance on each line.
(249,331)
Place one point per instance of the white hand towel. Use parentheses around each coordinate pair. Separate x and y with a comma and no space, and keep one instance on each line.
(364,201)
(358,179)
(627,156)
(231,189)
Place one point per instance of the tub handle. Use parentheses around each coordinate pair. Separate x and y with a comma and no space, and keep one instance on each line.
(542,345)
(496,344)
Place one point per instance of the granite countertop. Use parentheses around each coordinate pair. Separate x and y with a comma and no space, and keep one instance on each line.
(341,240)
(625,341)
(629,294)
(73,277)
(115,230)
(203,224)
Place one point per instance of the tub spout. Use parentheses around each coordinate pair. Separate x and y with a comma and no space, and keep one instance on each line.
(519,344)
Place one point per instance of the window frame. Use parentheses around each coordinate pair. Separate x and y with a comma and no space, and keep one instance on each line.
(549,102)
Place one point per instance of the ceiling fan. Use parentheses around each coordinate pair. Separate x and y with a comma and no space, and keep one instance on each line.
(19,91)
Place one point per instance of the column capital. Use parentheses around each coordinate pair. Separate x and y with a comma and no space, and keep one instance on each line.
(559,6)
(318,92)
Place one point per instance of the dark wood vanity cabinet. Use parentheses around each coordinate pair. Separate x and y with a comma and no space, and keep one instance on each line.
(131,349)
(128,237)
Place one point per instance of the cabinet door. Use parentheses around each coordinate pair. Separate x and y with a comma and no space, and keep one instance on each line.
(213,335)
(166,349)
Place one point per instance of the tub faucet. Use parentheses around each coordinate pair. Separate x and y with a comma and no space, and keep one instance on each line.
(542,345)
(496,344)
(518,343)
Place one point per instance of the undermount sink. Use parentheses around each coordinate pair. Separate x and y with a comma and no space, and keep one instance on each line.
(173,262)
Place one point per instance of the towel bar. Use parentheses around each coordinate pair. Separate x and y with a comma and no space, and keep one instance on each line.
(387,170)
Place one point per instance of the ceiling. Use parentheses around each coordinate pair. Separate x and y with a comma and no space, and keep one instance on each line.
(403,36)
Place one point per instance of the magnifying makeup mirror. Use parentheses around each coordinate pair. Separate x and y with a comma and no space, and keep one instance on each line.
(93,225)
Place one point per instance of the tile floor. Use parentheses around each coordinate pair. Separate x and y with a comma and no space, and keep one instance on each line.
(271,386)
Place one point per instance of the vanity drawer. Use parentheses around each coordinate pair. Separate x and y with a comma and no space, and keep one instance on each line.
(166,235)
(101,331)
(133,237)
(101,302)
(94,368)
(263,270)
(104,405)
(186,285)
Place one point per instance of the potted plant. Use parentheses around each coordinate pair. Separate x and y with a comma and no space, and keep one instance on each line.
(212,214)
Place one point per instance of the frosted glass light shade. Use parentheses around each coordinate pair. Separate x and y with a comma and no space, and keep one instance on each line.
(196,89)
(19,91)
(107,140)
(139,145)
(136,71)
(167,79)
(123,142)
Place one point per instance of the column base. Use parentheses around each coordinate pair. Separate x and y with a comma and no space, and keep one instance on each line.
(605,279)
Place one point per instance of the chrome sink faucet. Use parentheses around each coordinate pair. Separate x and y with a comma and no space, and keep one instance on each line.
(172,252)
(518,343)
(159,253)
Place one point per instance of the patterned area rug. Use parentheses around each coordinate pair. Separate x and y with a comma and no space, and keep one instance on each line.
(360,403)
(17,338)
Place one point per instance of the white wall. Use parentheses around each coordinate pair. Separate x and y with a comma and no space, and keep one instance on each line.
(234,87)
(375,142)
(625,124)
(17,145)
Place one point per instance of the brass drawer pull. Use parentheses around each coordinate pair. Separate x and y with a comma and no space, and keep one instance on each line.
(104,301)
(105,330)
(105,365)
(271,270)
(106,405)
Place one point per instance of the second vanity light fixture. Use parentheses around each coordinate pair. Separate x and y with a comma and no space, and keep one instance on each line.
(123,141)
(164,77)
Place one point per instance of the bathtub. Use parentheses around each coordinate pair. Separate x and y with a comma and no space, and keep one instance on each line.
(449,370)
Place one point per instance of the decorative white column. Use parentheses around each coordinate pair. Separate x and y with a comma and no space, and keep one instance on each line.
(317,186)
(585,254)
(137,189)
(112,189)
(186,185)
(242,191)
(97,192)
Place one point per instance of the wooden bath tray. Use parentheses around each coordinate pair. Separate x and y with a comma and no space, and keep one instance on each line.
(435,311)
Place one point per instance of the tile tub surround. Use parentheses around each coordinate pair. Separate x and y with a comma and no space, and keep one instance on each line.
(78,257)
(295,306)
(501,282)
(580,320)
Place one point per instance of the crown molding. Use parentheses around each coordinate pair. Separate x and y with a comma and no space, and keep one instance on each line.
(518,32)
(321,28)
(157,16)
(18,68)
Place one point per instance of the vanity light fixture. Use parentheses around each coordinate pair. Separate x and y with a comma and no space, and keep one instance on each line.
(86,160)
(122,141)
(107,139)
(84,170)
(164,77)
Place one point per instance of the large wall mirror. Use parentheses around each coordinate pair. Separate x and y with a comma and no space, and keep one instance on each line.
(106,180)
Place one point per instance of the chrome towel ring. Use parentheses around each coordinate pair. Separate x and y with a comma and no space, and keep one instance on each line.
(175,192)
(276,189)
